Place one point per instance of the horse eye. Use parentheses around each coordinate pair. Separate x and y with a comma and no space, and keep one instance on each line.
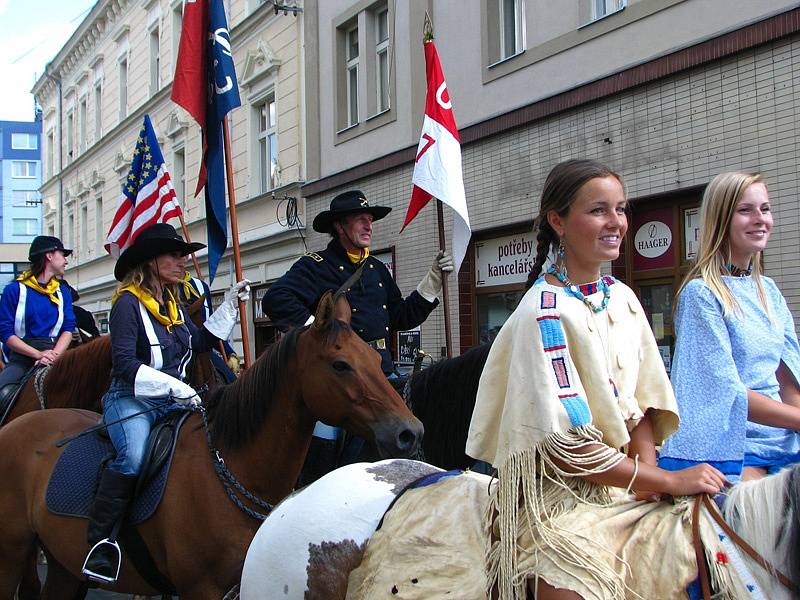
(341,366)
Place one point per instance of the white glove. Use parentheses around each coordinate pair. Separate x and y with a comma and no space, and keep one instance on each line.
(151,383)
(239,291)
(431,285)
(222,321)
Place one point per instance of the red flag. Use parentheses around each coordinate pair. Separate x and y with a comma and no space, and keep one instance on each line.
(190,85)
(437,172)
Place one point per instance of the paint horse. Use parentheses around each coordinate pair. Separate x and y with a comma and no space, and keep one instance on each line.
(260,425)
(311,542)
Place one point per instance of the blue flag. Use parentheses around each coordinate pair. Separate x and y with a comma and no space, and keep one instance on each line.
(223,96)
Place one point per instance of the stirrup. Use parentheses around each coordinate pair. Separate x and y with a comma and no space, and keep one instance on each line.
(99,577)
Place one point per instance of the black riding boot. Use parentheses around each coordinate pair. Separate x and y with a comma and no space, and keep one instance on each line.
(110,503)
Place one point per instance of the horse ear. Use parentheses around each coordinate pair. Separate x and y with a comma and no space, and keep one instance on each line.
(324,310)
(341,308)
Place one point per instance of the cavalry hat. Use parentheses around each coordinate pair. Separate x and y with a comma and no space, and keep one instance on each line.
(158,239)
(43,244)
(348,203)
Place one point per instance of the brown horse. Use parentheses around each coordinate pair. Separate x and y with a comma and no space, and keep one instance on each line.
(261,424)
(82,375)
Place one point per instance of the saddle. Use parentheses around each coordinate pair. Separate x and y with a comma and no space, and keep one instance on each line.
(75,477)
(11,391)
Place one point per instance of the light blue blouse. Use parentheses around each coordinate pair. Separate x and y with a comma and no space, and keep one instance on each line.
(717,359)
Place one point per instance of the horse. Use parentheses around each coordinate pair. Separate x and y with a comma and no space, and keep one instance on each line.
(311,541)
(81,377)
(260,426)
(443,397)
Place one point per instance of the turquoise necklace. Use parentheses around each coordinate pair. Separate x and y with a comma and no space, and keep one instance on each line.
(574,291)
(737,272)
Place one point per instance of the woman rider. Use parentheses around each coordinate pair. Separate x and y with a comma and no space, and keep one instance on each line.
(571,403)
(36,317)
(735,336)
(152,342)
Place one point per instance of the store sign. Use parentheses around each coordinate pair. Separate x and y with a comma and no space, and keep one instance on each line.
(652,239)
(408,344)
(505,260)
(258,310)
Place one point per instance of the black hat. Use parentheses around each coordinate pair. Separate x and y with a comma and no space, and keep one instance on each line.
(42,244)
(156,240)
(347,203)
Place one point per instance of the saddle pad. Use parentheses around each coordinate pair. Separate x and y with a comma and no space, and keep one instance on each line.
(74,479)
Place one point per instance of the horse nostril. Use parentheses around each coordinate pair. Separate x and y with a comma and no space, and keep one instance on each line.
(406,440)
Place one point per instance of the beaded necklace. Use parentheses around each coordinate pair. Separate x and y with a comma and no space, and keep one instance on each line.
(735,271)
(575,291)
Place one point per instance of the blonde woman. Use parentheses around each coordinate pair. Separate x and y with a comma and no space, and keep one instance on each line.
(151,344)
(737,362)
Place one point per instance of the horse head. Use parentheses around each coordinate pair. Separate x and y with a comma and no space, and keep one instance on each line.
(348,388)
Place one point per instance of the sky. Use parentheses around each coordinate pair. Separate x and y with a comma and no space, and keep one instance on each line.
(31,34)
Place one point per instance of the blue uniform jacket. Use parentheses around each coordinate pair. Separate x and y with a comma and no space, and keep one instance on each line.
(130,347)
(378,307)
(41,314)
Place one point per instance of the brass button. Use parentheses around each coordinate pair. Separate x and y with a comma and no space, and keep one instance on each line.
(341,268)
(380,284)
(371,266)
(387,329)
(355,309)
(384,307)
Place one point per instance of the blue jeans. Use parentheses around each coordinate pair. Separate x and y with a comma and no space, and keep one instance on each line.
(130,436)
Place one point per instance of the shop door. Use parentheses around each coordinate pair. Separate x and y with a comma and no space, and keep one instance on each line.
(657,298)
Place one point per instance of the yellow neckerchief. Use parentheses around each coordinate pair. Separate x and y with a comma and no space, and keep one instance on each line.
(49,290)
(188,288)
(151,304)
(357,258)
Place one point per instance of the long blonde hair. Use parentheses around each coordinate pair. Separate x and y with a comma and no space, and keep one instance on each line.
(720,200)
(143,276)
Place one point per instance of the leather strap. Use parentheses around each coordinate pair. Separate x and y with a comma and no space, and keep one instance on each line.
(699,553)
(751,552)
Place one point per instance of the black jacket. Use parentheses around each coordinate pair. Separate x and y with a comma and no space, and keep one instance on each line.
(379,308)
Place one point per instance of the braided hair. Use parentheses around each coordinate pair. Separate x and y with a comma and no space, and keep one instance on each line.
(560,188)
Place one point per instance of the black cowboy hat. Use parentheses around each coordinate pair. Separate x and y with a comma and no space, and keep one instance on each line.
(42,244)
(156,240)
(347,203)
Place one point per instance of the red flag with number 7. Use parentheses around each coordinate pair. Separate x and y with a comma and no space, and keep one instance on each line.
(437,169)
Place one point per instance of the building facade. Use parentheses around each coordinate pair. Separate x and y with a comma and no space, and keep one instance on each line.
(20,178)
(119,66)
(667,93)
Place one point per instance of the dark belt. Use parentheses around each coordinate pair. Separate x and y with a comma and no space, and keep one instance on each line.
(378,344)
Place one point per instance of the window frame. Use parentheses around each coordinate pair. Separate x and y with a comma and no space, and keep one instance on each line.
(351,67)
(98,110)
(28,137)
(154,57)
(99,228)
(123,69)
(28,175)
(28,221)
(83,114)
(382,49)
(519,28)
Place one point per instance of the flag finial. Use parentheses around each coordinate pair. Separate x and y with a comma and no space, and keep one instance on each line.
(427,28)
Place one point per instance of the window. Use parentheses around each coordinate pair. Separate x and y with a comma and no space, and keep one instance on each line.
(84,241)
(352,75)
(123,88)
(70,136)
(24,141)
(99,230)
(51,230)
(267,144)
(25,198)
(70,231)
(382,59)
(598,9)
(23,168)
(179,174)
(23,226)
(82,126)
(51,151)
(98,111)
(177,25)
(512,28)
(155,75)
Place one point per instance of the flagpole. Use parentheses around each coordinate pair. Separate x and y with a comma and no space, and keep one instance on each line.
(185,230)
(445,294)
(237,257)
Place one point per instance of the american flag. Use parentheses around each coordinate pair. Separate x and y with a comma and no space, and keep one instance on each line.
(147,195)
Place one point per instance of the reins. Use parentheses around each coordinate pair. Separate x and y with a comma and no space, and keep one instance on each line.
(702,567)
(228,479)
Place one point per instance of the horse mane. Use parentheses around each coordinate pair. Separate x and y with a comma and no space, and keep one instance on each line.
(765,513)
(81,369)
(237,411)
(443,397)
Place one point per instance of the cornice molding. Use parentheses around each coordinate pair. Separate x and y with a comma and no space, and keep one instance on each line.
(259,63)
(175,126)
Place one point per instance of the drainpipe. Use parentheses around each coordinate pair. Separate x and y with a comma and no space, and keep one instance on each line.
(59,213)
